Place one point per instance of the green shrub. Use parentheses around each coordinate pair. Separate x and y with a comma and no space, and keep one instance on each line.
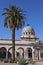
(22,62)
(33,63)
(6,61)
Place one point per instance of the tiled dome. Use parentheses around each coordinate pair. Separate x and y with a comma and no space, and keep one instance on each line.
(28,31)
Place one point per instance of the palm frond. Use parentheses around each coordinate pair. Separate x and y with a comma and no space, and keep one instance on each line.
(14,17)
(4,14)
(6,9)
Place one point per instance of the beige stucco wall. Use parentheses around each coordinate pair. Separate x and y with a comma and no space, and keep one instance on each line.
(25,44)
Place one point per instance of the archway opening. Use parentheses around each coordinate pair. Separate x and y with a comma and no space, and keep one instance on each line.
(29,53)
(21,52)
(3,52)
(17,54)
(9,55)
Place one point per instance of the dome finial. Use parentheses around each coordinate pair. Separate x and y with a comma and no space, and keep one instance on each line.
(28,24)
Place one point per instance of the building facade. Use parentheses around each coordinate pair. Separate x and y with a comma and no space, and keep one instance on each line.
(28,47)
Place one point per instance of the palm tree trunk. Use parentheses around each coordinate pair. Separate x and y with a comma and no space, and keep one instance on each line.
(13,44)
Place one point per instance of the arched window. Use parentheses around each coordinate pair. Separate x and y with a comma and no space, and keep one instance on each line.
(26,32)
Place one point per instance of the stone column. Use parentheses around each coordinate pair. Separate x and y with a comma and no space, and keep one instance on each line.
(7,54)
(39,55)
(33,54)
(25,54)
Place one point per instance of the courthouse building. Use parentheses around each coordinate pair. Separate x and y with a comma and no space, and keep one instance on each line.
(28,47)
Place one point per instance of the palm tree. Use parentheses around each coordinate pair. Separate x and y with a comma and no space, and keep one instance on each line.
(14,19)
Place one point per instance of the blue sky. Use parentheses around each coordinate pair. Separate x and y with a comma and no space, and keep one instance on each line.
(34,16)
